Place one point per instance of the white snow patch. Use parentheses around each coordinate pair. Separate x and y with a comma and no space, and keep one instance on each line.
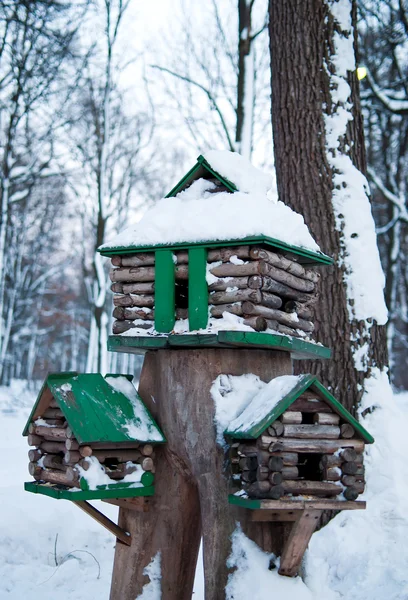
(210,278)
(141,427)
(240,171)
(231,395)
(235,260)
(252,579)
(152,590)
(95,475)
(264,401)
(66,387)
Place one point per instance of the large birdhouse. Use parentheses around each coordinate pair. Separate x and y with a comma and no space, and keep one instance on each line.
(213,264)
(92,437)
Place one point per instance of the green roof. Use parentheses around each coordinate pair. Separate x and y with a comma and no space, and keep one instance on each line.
(98,409)
(266,413)
(201,170)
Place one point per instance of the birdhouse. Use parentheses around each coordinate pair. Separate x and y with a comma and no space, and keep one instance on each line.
(294,452)
(92,438)
(218,262)
(294,439)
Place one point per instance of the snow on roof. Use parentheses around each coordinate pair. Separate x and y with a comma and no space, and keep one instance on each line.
(264,402)
(197,215)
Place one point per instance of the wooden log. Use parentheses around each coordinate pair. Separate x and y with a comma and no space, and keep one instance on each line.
(262,473)
(349,468)
(302,285)
(330,460)
(349,455)
(248,463)
(289,458)
(291,417)
(290,472)
(52,447)
(118,455)
(315,432)
(359,486)
(121,470)
(257,323)
(298,541)
(217,311)
(136,288)
(284,330)
(270,300)
(53,403)
(225,254)
(127,275)
(286,264)
(326,419)
(85,451)
(259,488)
(34,455)
(72,457)
(72,474)
(53,413)
(275,478)
(285,291)
(305,405)
(71,444)
(351,493)
(131,314)
(291,306)
(34,440)
(53,476)
(237,296)
(347,431)
(263,457)
(255,282)
(133,300)
(348,480)
(360,472)
(52,461)
(119,327)
(137,260)
(232,270)
(276,428)
(35,470)
(55,422)
(332,474)
(311,488)
(281,317)
(147,464)
(147,450)
(312,446)
(117,288)
(247,449)
(221,285)
(248,476)
(49,433)
(275,463)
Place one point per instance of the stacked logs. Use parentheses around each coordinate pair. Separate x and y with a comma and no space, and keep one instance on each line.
(307,452)
(57,455)
(269,290)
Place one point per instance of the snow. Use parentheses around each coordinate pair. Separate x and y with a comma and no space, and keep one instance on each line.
(66,387)
(253,579)
(231,395)
(140,427)
(264,402)
(238,170)
(210,216)
(96,476)
(152,590)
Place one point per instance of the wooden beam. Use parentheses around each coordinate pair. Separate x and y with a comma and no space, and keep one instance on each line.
(93,512)
(274,515)
(298,541)
(138,504)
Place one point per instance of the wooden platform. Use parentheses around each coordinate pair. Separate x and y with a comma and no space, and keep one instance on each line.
(286,504)
(60,492)
(299,349)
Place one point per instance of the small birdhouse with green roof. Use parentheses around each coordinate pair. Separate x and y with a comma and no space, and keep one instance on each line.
(218,262)
(92,438)
(295,441)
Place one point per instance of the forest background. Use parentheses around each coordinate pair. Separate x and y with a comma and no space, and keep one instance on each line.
(105,104)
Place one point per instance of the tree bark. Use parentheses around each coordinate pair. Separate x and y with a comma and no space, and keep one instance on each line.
(301,44)
(191,490)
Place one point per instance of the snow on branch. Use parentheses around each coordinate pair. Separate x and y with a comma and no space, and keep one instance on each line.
(396,106)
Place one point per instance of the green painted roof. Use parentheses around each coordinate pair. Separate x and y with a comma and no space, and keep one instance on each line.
(266,413)
(99,409)
(201,170)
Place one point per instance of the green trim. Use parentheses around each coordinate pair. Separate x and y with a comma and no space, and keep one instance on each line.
(306,382)
(164,291)
(61,493)
(242,339)
(197,172)
(197,289)
(308,257)
(244,502)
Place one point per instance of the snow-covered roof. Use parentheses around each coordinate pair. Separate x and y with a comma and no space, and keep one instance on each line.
(200,214)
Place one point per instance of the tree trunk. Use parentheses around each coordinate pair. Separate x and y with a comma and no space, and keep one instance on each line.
(302,48)
(191,497)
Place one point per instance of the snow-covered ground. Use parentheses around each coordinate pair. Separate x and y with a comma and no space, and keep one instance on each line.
(357,556)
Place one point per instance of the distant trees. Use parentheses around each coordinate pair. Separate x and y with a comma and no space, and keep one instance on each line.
(383,30)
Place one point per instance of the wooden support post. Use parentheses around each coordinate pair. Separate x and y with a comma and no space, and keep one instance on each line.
(298,541)
(197,288)
(191,487)
(93,512)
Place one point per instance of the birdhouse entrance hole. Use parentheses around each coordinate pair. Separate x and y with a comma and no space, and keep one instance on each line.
(181,295)
(308,467)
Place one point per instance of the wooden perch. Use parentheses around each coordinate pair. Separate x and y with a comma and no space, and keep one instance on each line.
(296,544)
(90,510)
